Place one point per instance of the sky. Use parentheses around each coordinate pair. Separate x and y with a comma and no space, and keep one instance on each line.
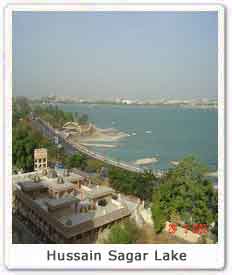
(106,55)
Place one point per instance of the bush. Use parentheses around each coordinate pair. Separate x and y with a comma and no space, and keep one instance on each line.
(125,233)
(75,161)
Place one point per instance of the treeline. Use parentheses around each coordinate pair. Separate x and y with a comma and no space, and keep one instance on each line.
(20,109)
(57,117)
(52,114)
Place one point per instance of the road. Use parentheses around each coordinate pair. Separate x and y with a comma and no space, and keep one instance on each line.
(71,148)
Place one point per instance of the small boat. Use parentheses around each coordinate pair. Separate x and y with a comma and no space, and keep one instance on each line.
(148,132)
(134,134)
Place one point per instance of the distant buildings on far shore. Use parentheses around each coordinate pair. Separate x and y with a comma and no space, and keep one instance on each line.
(193,103)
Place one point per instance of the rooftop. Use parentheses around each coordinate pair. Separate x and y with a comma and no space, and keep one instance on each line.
(28,186)
(72,213)
(54,204)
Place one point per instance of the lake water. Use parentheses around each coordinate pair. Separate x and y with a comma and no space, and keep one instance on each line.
(168,132)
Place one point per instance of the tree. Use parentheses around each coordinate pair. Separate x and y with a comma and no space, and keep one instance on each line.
(157,213)
(175,217)
(94,165)
(25,139)
(145,183)
(23,145)
(184,194)
(83,119)
(52,114)
(139,184)
(76,161)
(20,110)
(125,233)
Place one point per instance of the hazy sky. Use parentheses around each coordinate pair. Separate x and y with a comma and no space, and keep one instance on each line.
(143,55)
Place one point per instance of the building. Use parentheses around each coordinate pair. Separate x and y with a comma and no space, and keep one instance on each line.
(66,207)
(40,159)
(74,128)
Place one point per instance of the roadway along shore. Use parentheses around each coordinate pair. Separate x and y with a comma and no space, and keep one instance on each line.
(72,148)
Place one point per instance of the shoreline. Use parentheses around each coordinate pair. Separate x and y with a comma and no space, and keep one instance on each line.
(146,161)
(160,105)
(99,145)
(103,135)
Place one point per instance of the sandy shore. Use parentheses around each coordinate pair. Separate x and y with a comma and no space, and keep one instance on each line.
(146,161)
(99,145)
(103,135)
(174,162)
(90,135)
(212,174)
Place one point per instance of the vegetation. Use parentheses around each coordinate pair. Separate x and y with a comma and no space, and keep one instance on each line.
(52,114)
(25,139)
(23,144)
(75,161)
(57,117)
(157,213)
(82,119)
(125,233)
(20,109)
(138,184)
(94,165)
(184,195)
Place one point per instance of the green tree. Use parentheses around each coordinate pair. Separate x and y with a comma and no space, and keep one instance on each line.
(125,233)
(144,185)
(76,161)
(139,184)
(52,114)
(20,109)
(158,215)
(186,193)
(83,119)
(24,141)
(94,165)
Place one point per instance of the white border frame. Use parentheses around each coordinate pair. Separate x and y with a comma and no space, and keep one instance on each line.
(200,256)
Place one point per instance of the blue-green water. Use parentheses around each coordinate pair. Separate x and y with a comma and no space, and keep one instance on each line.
(173,132)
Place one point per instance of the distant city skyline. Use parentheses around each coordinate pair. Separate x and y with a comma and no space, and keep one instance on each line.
(109,55)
